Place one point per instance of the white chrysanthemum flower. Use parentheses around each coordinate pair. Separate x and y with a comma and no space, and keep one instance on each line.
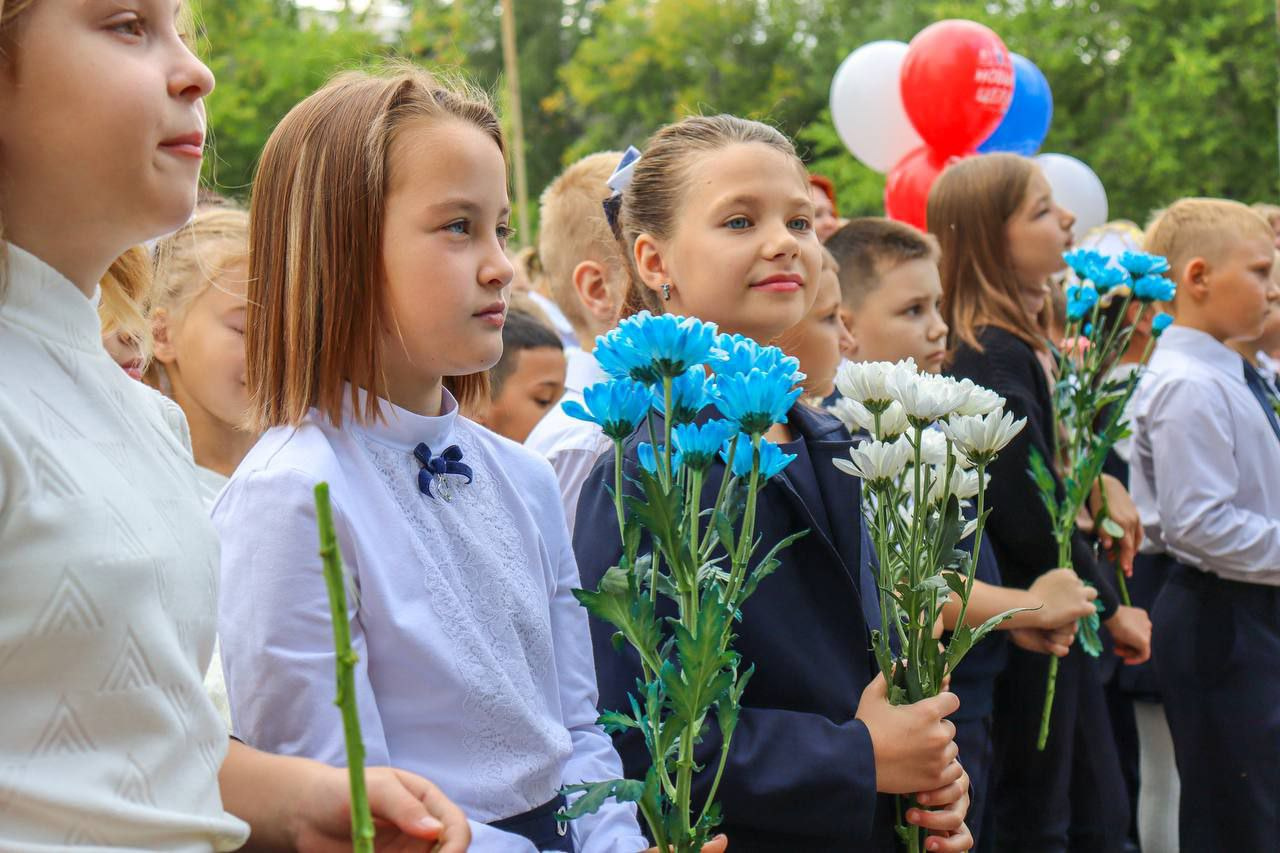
(980,400)
(924,397)
(963,484)
(867,381)
(980,437)
(858,418)
(933,447)
(877,462)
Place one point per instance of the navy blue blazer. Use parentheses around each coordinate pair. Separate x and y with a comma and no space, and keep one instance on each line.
(801,771)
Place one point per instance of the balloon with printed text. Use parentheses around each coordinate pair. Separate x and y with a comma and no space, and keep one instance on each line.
(957,82)
(1026,124)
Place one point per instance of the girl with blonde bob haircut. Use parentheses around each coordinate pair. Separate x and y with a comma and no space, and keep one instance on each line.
(1003,237)
(377,285)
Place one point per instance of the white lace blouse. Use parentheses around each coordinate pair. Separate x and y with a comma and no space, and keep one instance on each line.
(475,659)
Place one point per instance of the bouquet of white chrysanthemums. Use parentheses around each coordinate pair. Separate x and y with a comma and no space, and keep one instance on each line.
(923,465)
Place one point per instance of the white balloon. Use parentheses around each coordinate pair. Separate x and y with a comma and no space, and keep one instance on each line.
(1077,188)
(866,105)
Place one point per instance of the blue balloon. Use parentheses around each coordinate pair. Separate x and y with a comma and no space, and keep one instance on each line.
(1026,124)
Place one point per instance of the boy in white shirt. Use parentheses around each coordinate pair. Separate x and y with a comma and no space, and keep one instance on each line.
(587,277)
(1205,475)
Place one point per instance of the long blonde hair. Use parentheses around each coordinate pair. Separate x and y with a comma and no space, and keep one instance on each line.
(969,207)
(191,260)
(124,294)
(315,247)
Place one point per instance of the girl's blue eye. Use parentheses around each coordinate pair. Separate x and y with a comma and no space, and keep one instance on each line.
(505,233)
(799,224)
(738,223)
(461,226)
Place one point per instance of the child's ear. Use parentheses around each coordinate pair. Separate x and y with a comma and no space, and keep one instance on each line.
(848,340)
(1195,279)
(591,281)
(650,263)
(161,342)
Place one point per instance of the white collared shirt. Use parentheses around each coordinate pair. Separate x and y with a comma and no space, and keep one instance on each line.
(570,445)
(475,665)
(1205,472)
(108,593)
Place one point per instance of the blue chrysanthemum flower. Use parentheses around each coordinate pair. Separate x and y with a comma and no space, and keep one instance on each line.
(646,348)
(697,446)
(1080,300)
(1160,322)
(618,406)
(649,457)
(689,394)
(756,400)
(772,459)
(1154,288)
(1107,276)
(1139,264)
(1084,261)
(738,354)
(1088,329)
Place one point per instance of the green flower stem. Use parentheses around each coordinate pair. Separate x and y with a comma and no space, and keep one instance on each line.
(1051,686)
(361,820)
(705,550)
(715,783)
(666,429)
(977,542)
(617,491)
(1050,689)
(739,567)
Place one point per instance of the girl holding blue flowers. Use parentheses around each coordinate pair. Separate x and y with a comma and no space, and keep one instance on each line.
(716,222)
(377,301)
(1003,236)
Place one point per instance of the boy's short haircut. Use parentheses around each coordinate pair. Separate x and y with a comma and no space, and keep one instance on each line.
(1202,228)
(573,229)
(1269,212)
(521,332)
(868,248)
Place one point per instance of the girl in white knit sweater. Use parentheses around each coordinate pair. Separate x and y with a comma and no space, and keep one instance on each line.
(109,570)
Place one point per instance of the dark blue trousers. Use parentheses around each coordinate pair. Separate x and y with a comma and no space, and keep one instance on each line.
(1217,652)
(1071,796)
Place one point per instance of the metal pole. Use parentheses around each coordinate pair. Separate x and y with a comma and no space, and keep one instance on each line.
(512,68)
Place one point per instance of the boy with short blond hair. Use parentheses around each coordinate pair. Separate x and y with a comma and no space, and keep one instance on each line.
(1205,475)
(586,276)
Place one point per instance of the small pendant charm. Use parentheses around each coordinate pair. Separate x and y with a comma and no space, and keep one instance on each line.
(443,489)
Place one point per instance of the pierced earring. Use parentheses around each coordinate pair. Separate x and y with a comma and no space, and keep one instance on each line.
(666,292)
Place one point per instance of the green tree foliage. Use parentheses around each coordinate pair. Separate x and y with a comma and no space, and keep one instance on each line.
(266,59)
(1163,98)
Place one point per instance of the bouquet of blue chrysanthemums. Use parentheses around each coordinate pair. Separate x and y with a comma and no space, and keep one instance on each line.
(701,555)
(1090,404)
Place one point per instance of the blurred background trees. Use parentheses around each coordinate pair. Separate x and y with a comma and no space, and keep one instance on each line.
(1163,98)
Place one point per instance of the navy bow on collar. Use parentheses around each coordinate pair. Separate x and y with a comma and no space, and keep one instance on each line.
(436,467)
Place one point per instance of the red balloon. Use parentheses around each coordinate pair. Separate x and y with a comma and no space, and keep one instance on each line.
(957,84)
(906,192)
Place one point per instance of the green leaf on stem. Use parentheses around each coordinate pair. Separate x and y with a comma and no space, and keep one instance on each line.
(614,722)
(594,795)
